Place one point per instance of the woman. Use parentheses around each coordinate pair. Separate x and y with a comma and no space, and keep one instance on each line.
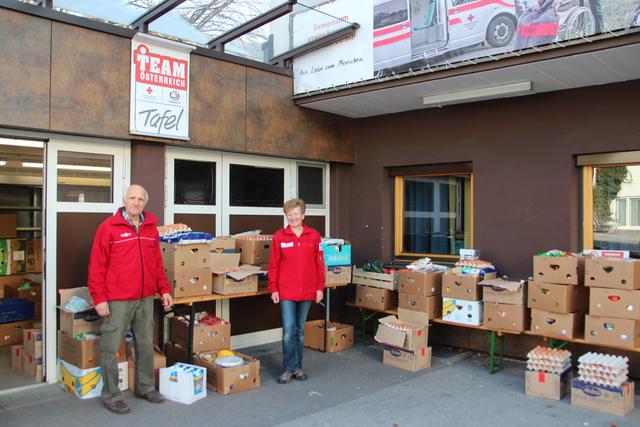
(296,278)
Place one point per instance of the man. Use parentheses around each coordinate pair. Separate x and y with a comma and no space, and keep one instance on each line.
(125,272)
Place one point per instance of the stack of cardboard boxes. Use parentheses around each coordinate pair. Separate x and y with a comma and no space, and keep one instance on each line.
(614,302)
(405,340)
(421,291)
(557,296)
(188,268)
(337,261)
(26,358)
(505,305)
(376,291)
(79,348)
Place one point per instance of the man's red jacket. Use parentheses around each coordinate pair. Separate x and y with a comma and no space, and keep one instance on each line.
(125,264)
(296,266)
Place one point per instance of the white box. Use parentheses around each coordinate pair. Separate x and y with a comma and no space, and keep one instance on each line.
(87,383)
(183,383)
(462,311)
(469,254)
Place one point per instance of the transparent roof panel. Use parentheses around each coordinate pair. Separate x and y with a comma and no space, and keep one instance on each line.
(200,21)
(285,33)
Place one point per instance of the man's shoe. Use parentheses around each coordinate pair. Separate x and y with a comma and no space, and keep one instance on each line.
(153,396)
(117,407)
(284,378)
(299,375)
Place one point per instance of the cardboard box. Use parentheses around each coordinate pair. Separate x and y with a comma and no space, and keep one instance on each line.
(32,366)
(33,293)
(34,256)
(337,275)
(421,283)
(557,325)
(408,360)
(612,400)
(549,386)
(507,317)
(223,253)
(463,286)
(376,299)
(84,354)
(188,282)
(504,291)
(566,270)
(231,380)
(205,337)
(612,273)
(13,281)
(336,254)
(611,331)
(432,305)
(11,333)
(339,336)
(254,251)
(159,362)
(412,334)
(87,383)
(8,224)
(615,303)
(245,280)
(18,256)
(192,256)
(375,280)
(17,357)
(15,310)
(557,298)
(223,244)
(462,311)
(32,342)
(183,383)
(82,322)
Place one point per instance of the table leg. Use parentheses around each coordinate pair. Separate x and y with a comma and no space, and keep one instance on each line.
(493,335)
(161,325)
(327,308)
(192,320)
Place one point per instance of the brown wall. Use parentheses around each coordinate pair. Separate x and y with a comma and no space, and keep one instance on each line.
(64,78)
(526,183)
(147,169)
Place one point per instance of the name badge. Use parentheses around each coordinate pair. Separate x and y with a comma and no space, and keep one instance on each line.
(286,244)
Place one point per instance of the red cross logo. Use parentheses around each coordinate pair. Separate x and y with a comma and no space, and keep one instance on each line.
(470,17)
(149,90)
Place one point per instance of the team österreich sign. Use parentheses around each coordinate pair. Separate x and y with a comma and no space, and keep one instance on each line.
(159,87)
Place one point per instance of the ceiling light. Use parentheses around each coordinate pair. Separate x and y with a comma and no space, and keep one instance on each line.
(477,94)
(85,168)
(21,143)
(31,165)
(3,162)
(70,167)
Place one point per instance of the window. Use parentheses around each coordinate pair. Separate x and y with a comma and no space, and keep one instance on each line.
(311,184)
(256,186)
(195,182)
(389,13)
(85,177)
(611,201)
(433,214)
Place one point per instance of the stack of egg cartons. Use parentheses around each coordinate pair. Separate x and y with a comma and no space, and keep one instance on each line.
(603,369)
(548,372)
(603,385)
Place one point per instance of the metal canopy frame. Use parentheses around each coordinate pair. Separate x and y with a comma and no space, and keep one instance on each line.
(142,23)
(218,43)
(284,59)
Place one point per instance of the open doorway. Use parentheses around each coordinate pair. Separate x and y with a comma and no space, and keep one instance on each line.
(21,260)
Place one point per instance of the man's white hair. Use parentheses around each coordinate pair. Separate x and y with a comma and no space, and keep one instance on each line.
(137,186)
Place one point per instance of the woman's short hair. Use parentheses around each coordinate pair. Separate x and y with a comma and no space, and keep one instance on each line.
(290,205)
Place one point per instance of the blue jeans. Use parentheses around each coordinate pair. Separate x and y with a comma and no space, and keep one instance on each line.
(294,316)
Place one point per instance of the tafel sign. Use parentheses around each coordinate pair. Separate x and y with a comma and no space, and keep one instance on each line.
(159,87)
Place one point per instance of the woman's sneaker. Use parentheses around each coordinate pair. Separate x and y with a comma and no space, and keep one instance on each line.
(299,375)
(285,378)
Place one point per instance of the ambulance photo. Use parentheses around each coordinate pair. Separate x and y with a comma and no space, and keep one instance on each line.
(409,30)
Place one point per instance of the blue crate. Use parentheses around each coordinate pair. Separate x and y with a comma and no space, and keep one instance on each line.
(336,254)
(15,309)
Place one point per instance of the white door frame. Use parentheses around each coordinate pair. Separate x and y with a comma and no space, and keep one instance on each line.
(121,152)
